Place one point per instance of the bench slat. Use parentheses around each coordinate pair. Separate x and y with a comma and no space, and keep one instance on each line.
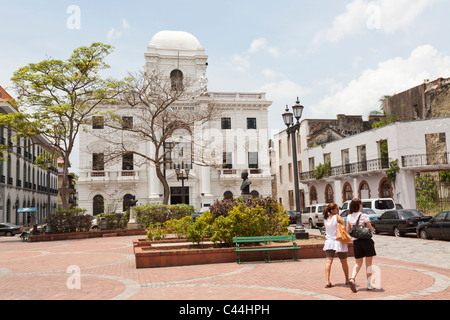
(265,239)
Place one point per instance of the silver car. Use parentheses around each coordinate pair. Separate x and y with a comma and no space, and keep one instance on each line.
(9,229)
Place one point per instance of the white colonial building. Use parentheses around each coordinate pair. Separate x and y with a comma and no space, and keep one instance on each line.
(241,128)
(22,183)
(358,163)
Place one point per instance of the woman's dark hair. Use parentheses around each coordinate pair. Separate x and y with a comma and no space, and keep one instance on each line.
(354,205)
(327,210)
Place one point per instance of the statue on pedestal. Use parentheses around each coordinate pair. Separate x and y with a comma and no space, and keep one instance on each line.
(245,187)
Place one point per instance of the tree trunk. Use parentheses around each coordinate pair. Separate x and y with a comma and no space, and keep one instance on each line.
(163,180)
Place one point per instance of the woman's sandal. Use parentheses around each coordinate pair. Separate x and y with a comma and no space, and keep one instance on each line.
(351,283)
(329,285)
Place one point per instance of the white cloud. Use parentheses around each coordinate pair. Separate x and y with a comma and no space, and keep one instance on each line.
(361,15)
(392,76)
(285,90)
(257,45)
(114,34)
(241,62)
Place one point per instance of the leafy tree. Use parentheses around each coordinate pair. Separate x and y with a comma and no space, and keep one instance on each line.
(55,97)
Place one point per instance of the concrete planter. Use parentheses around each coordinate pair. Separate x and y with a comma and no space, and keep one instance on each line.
(86,235)
(147,255)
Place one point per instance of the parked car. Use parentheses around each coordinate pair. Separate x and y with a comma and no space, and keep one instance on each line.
(9,229)
(379,205)
(196,215)
(292,216)
(372,214)
(345,206)
(399,222)
(313,215)
(94,223)
(437,227)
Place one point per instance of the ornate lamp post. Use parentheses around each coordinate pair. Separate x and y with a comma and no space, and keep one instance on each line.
(288,118)
(49,165)
(182,174)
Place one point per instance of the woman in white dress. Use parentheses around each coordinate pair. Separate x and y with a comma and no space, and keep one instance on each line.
(332,246)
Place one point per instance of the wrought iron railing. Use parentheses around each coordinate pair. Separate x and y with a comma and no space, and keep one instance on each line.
(356,167)
(428,159)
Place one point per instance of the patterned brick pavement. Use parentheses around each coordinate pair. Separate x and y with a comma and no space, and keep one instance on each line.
(104,269)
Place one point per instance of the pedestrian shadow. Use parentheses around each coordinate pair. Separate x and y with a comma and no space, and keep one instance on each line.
(359,288)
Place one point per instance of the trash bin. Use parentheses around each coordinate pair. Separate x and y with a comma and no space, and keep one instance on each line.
(103,223)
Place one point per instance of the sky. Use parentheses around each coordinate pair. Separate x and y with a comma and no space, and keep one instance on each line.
(337,56)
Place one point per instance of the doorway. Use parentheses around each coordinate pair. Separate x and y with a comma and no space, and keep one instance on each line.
(179,195)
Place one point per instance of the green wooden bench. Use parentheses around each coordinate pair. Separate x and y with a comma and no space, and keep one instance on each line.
(24,236)
(266,239)
(322,231)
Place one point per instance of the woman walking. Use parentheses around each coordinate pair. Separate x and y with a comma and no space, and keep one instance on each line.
(363,248)
(331,218)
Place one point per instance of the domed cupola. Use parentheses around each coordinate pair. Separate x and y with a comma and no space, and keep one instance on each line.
(177,51)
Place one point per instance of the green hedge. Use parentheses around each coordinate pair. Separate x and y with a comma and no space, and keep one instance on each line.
(114,220)
(149,214)
(73,220)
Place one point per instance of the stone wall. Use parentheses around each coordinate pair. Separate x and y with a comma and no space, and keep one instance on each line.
(428,100)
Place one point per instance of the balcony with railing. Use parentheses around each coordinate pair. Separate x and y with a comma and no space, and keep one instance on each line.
(350,168)
(228,173)
(122,175)
(426,160)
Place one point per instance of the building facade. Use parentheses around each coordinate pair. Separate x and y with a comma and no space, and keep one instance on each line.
(358,164)
(238,136)
(314,132)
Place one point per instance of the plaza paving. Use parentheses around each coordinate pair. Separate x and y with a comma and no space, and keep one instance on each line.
(409,269)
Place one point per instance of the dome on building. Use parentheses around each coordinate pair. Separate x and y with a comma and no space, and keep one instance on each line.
(175,40)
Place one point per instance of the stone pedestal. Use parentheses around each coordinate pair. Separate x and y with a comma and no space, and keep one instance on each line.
(132,224)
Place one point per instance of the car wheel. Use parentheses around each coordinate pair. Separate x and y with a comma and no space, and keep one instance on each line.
(423,234)
(311,224)
(375,230)
(397,232)
(9,234)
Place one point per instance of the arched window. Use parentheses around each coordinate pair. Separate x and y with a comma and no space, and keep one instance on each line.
(176,79)
(255,194)
(98,205)
(347,192)
(329,194)
(385,189)
(364,190)
(313,195)
(228,195)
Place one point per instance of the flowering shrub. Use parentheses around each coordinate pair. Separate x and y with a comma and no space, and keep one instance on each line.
(113,202)
(178,226)
(255,217)
(156,231)
(245,221)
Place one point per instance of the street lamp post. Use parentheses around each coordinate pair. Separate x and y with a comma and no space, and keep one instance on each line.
(49,164)
(182,174)
(288,118)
